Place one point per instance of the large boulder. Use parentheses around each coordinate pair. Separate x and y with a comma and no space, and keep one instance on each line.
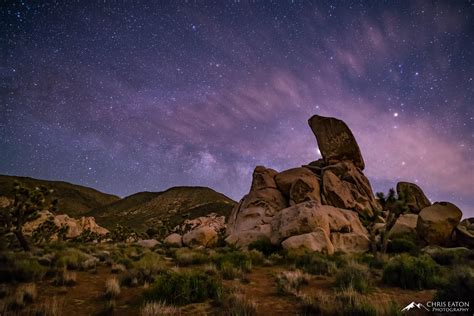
(436,223)
(263,178)
(414,195)
(315,241)
(465,233)
(335,141)
(201,231)
(405,226)
(345,186)
(298,185)
(341,226)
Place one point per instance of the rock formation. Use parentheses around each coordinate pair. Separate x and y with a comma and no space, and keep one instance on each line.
(437,222)
(201,231)
(75,227)
(465,233)
(414,195)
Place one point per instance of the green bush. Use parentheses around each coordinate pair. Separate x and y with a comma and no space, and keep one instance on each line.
(458,286)
(235,258)
(183,288)
(354,276)
(71,258)
(399,245)
(264,246)
(186,257)
(410,272)
(377,261)
(315,263)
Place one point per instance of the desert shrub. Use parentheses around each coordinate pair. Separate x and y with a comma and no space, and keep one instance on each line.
(182,288)
(186,257)
(377,261)
(65,278)
(411,272)
(159,309)
(458,286)
(399,245)
(26,270)
(112,287)
(352,303)
(211,269)
(117,268)
(450,256)
(354,276)
(151,263)
(71,258)
(315,263)
(236,258)
(264,246)
(256,257)
(238,304)
(24,294)
(290,282)
(229,271)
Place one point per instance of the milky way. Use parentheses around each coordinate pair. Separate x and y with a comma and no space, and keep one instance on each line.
(126,96)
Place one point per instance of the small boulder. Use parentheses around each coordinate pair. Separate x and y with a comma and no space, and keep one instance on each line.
(315,241)
(436,223)
(174,240)
(148,243)
(414,195)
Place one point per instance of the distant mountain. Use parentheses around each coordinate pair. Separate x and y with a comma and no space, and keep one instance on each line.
(147,209)
(73,200)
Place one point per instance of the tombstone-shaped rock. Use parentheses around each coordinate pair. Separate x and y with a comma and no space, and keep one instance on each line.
(465,233)
(414,195)
(436,223)
(335,141)
(298,185)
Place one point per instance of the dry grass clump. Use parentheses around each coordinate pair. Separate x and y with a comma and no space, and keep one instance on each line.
(112,288)
(159,309)
(186,257)
(238,304)
(118,268)
(355,276)
(290,282)
(50,307)
(65,278)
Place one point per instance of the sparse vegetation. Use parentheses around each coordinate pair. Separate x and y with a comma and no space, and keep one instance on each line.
(458,286)
(290,282)
(159,309)
(315,263)
(411,272)
(355,276)
(65,278)
(112,288)
(182,288)
(186,257)
(399,245)
(238,304)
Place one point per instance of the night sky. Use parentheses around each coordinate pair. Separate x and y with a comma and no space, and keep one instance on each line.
(126,96)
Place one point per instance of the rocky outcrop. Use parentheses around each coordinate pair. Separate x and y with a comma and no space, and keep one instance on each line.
(75,227)
(436,223)
(298,185)
(201,231)
(465,233)
(335,141)
(345,186)
(414,195)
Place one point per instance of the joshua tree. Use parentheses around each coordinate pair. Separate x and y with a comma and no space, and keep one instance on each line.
(396,206)
(25,207)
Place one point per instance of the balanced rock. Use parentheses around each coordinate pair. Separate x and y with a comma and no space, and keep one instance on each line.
(298,185)
(335,141)
(345,186)
(465,233)
(414,195)
(436,223)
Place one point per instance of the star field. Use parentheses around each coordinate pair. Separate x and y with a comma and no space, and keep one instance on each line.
(128,96)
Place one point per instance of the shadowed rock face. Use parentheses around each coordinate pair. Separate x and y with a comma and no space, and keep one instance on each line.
(335,141)
(416,198)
